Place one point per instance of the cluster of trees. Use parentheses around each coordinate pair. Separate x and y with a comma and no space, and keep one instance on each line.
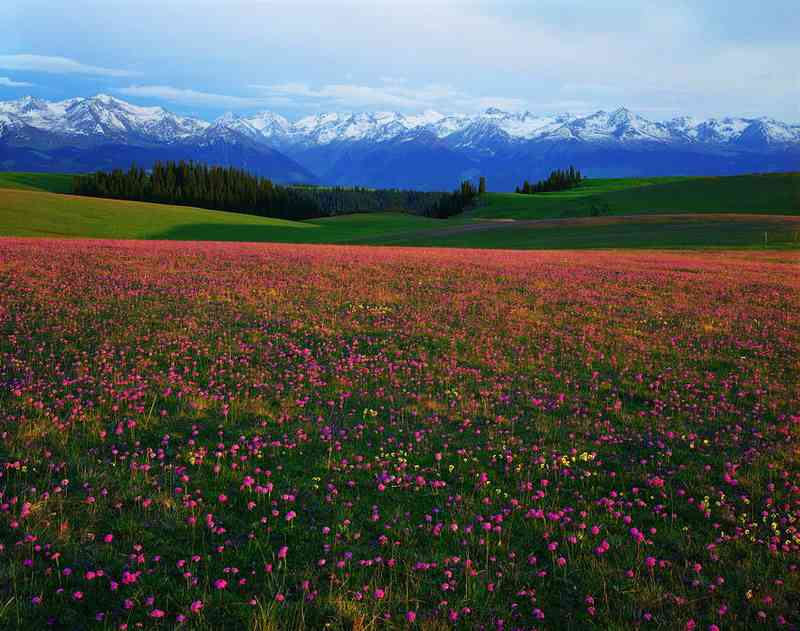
(235,190)
(558,180)
(455,203)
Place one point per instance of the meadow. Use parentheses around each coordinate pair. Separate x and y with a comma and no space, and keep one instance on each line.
(771,193)
(212,435)
(668,212)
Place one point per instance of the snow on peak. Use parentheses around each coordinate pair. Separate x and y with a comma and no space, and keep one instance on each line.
(105,115)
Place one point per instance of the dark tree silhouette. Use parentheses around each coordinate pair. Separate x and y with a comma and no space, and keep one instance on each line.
(558,180)
(234,190)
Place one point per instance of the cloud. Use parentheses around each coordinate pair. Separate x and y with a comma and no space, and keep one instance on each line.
(500,102)
(194,97)
(57,65)
(5,82)
(344,94)
(707,57)
(393,94)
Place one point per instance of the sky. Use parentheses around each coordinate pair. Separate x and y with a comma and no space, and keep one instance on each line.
(203,58)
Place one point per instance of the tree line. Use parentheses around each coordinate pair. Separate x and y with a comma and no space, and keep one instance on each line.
(558,180)
(235,190)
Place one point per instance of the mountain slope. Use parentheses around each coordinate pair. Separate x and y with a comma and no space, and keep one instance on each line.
(103,132)
(427,150)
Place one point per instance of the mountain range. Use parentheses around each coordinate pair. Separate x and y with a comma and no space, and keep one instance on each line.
(389,149)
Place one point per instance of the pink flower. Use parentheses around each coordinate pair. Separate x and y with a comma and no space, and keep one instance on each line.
(290,515)
(379,593)
(196,606)
(157,613)
(411,616)
(283,551)
(220,583)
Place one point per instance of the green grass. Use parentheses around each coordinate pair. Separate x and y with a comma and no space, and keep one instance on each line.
(50,182)
(677,212)
(362,228)
(753,194)
(33,213)
(687,231)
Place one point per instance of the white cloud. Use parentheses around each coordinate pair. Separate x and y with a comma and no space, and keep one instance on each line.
(392,94)
(5,82)
(500,102)
(704,57)
(193,97)
(57,65)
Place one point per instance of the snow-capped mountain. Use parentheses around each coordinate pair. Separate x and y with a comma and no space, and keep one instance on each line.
(101,115)
(621,125)
(360,147)
(103,132)
(107,116)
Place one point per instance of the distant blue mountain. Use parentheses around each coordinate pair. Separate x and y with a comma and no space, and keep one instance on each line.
(389,149)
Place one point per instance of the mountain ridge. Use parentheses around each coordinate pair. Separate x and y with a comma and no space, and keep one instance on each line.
(105,114)
(361,147)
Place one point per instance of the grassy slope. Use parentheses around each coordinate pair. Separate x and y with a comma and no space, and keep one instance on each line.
(28,212)
(366,228)
(653,231)
(51,182)
(760,194)
(33,213)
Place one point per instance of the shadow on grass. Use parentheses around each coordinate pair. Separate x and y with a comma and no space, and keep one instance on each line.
(237,232)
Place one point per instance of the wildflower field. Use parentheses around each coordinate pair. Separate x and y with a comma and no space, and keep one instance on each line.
(320,437)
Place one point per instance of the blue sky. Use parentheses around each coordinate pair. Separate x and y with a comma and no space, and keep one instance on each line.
(204,58)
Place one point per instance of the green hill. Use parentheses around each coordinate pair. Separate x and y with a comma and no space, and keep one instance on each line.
(760,194)
(36,213)
(635,213)
(50,182)
(674,231)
